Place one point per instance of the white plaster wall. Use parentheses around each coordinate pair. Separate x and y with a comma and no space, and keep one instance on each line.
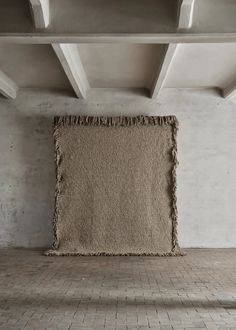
(206,173)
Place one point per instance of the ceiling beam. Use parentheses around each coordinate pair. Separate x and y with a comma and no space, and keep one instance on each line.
(155,38)
(41,14)
(70,60)
(185,14)
(229,90)
(7,87)
(167,59)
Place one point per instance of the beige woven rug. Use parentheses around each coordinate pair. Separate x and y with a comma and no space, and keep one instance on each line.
(116,184)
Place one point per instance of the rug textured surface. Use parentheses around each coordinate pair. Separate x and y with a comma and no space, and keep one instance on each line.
(116,186)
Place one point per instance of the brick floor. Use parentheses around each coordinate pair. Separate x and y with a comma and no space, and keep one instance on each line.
(197,291)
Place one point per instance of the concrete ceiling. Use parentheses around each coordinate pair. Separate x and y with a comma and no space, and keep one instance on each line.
(32,66)
(117,16)
(120,65)
(113,16)
(202,65)
(214,16)
(97,16)
(48,63)
(15,16)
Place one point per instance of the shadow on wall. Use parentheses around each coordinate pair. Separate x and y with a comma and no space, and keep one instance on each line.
(27,179)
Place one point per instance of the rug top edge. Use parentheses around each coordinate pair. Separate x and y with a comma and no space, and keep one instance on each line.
(114,121)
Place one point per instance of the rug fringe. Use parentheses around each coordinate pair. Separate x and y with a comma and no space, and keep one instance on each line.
(64,254)
(174,211)
(114,121)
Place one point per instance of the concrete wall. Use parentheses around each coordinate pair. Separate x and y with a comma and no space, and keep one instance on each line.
(206,173)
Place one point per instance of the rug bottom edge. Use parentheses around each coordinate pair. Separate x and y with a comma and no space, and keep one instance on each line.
(162,254)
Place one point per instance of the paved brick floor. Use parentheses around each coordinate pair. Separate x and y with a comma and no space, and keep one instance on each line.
(197,291)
